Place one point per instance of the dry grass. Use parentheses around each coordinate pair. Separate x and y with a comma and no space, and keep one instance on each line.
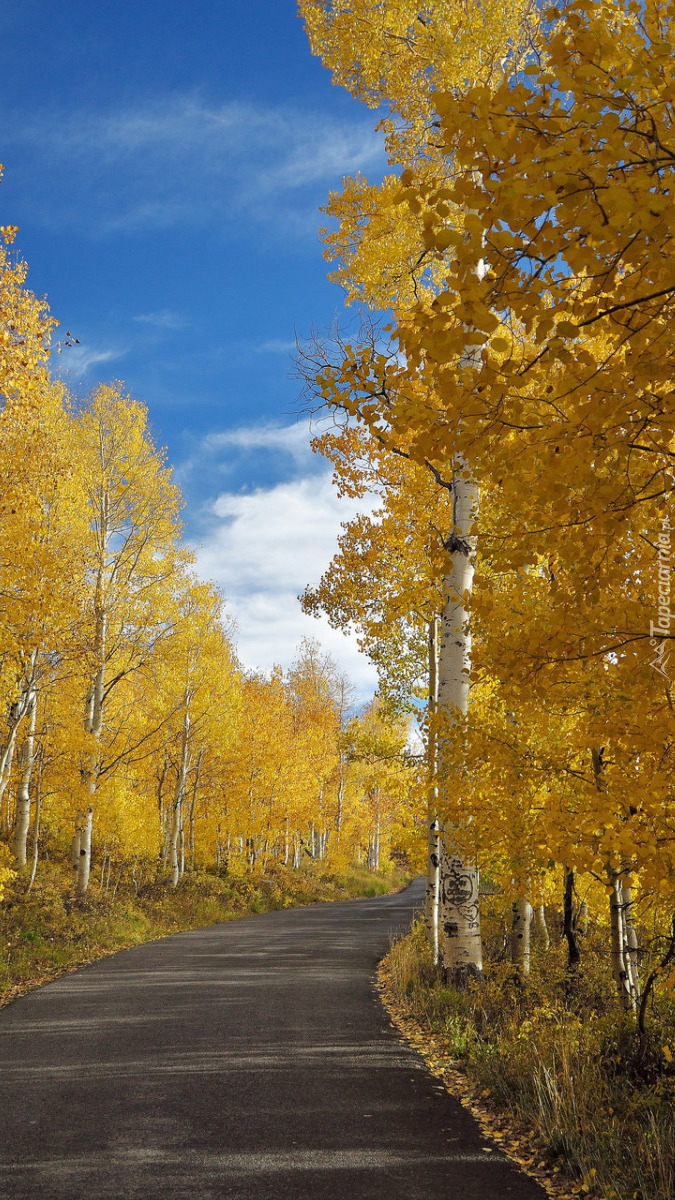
(557,1056)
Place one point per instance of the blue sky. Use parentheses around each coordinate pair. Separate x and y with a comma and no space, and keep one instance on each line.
(165,164)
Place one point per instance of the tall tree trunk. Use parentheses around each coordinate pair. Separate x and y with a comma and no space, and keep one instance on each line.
(84,864)
(94,727)
(174,835)
(461,948)
(198,771)
(618,942)
(36,822)
(520,936)
(569,921)
(177,809)
(26,760)
(620,969)
(75,853)
(340,805)
(540,928)
(631,948)
(15,716)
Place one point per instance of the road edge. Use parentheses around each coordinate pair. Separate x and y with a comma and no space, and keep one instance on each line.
(494,1124)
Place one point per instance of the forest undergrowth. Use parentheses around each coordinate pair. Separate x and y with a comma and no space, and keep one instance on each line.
(552,1067)
(50,929)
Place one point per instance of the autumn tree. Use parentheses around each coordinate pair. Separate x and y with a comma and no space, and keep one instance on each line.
(133,555)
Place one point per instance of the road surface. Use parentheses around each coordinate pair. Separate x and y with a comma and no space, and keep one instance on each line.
(247,1061)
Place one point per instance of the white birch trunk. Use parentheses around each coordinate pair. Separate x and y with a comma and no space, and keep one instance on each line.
(619,969)
(540,928)
(75,852)
(26,760)
(198,771)
(16,714)
(177,811)
(174,836)
(340,805)
(84,864)
(461,952)
(461,948)
(521,925)
(36,828)
(631,946)
(93,723)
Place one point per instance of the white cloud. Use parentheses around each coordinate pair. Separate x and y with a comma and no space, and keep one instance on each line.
(277,346)
(290,440)
(180,160)
(221,453)
(263,549)
(78,360)
(162,320)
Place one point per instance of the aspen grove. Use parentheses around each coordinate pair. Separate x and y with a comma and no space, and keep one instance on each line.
(131,739)
(508,402)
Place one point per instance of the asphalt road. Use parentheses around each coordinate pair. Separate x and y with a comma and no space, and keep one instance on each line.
(247,1061)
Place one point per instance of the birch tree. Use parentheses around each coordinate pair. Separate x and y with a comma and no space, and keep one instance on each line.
(392,53)
(133,512)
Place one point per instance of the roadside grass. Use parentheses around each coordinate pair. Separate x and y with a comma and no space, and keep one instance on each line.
(49,930)
(554,1055)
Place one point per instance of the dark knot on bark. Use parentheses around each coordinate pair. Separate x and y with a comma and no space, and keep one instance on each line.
(457,545)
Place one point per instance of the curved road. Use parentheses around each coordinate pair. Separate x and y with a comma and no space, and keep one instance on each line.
(249,1061)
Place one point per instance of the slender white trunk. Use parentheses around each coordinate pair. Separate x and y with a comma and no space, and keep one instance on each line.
(521,924)
(84,864)
(177,811)
(193,802)
(16,714)
(93,723)
(631,946)
(36,824)
(174,834)
(619,969)
(117,881)
(75,852)
(540,928)
(461,948)
(340,804)
(26,760)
